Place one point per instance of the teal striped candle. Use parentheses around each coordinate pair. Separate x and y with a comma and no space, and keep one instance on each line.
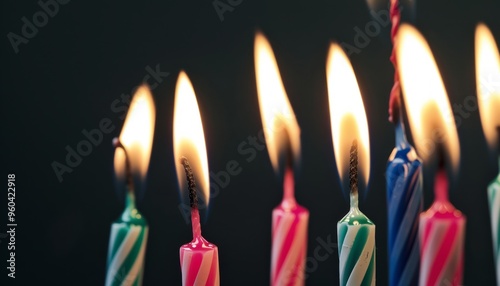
(356,237)
(494,203)
(127,245)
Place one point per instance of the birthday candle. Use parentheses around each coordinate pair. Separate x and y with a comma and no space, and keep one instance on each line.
(442,233)
(356,237)
(282,133)
(494,207)
(289,238)
(356,233)
(129,234)
(127,246)
(404,187)
(199,259)
(404,203)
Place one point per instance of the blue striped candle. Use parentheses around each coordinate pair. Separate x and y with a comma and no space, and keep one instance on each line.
(127,245)
(404,203)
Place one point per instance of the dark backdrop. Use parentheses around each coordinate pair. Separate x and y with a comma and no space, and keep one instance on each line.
(65,78)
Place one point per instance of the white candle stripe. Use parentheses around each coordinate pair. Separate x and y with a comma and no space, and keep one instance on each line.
(185,265)
(406,225)
(122,252)
(138,264)
(281,233)
(346,247)
(412,261)
(204,270)
(494,203)
(451,263)
(293,254)
(495,208)
(358,272)
(435,238)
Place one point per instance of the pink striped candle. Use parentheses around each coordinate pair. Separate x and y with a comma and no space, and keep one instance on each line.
(199,258)
(442,235)
(289,238)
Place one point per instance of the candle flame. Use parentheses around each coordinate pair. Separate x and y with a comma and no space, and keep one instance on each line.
(347,114)
(488,83)
(281,129)
(429,112)
(137,135)
(189,139)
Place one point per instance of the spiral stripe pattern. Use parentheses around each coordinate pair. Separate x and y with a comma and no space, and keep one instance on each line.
(200,268)
(442,242)
(289,246)
(494,203)
(126,254)
(405,203)
(356,253)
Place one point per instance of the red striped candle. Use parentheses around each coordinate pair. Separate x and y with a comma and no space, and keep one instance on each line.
(199,258)
(442,235)
(282,133)
(289,238)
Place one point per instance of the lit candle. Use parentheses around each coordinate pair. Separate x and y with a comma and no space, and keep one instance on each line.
(442,227)
(356,233)
(282,133)
(129,234)
(404,187)
(199,259)
(488,92)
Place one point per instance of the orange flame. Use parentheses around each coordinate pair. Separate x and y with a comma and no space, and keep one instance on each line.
(189,139)
(429,112)
(281,129)
(347,113)
(137,134)
(488,83)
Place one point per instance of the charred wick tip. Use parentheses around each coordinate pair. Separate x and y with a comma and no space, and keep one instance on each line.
(353,167)
(116,143)
(193,197)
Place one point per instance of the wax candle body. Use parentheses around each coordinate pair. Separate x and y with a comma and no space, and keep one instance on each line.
(289,245)
(404,203)
(494,205)
(127,246)
(442,235)
(289,239)
(356,238)
(199,258)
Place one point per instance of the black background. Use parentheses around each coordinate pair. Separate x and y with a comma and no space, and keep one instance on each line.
(66,77)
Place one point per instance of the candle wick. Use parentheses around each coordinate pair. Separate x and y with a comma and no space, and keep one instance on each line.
(193,198)
(353,173)
(288,190)
(128,172)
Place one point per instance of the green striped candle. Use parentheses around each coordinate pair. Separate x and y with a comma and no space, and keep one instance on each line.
(494,203)
(127,245)
(356,237)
